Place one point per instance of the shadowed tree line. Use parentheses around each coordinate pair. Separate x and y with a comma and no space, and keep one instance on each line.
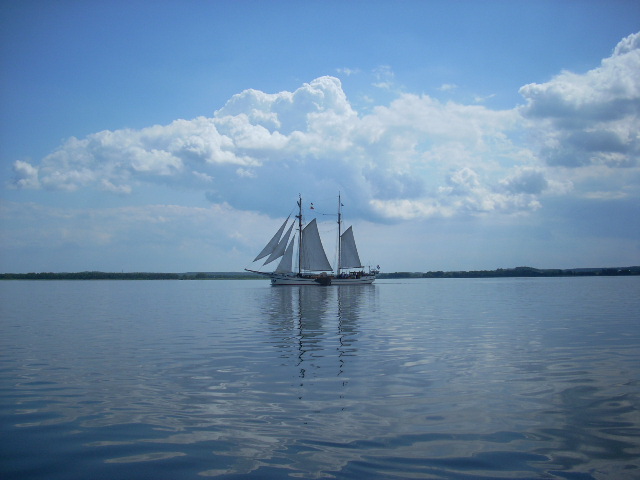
(500,272)
(519,272)
(128,276)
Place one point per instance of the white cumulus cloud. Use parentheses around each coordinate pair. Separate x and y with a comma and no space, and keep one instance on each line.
(592,118)
(416,157)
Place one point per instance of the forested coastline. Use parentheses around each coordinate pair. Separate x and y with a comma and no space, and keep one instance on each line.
(519,272)
(128,276)
(500,272)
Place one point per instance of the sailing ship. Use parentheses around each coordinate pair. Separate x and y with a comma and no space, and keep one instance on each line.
(313,267)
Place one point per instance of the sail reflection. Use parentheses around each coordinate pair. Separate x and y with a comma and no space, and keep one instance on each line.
(350,306)
(317,327)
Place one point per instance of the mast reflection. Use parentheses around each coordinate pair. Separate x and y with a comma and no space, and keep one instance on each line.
(318,327)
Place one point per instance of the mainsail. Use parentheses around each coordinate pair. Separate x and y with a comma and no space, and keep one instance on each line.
(273,243)
(349,257)
(312,256)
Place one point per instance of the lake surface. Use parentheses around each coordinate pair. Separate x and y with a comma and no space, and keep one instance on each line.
(429,378)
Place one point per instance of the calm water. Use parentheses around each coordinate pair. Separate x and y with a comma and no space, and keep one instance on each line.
(469,378)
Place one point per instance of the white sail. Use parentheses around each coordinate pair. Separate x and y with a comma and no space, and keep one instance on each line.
(349,257)
(280,248)
(286,263)
(273,243)
(312,256)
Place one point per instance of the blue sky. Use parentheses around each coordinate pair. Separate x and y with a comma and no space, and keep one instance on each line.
(176,136)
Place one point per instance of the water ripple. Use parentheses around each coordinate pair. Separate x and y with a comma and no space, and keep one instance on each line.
(509,378)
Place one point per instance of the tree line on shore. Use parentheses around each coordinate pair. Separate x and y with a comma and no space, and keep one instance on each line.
(500,272)
(519,272)
(127,276)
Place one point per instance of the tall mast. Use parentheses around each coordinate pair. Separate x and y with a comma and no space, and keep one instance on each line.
(339,232)
(299,217)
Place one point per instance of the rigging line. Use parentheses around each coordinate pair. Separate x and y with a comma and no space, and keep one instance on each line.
(291,211)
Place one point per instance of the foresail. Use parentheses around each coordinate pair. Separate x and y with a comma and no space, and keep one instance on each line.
(312,256)
(286,263)
(280,248)
(349,257)
(273,243)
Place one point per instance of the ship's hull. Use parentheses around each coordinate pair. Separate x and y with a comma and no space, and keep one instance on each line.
(362,280)
(278,279)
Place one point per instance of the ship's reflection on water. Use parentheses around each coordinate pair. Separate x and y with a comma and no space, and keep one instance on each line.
(297,412)
(318,327)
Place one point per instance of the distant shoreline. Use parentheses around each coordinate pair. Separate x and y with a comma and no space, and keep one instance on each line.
(521,272)
(498,273)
